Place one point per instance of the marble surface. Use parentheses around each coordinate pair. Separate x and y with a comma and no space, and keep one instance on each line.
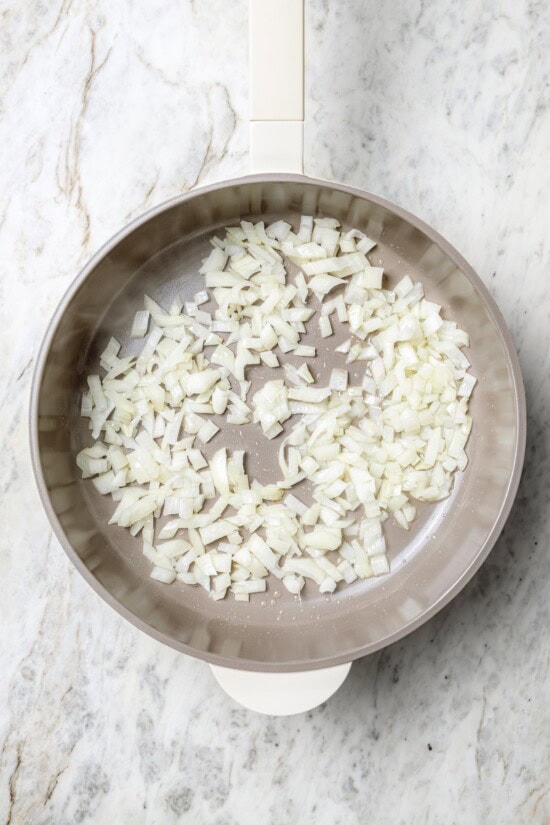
(108,108)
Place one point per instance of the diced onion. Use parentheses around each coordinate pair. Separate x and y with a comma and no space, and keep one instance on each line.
(364,452)
(140,324)
(338,380)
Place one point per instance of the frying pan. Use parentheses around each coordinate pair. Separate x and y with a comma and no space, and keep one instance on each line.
(277,654)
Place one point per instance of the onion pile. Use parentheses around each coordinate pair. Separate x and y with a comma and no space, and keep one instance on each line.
(365,452)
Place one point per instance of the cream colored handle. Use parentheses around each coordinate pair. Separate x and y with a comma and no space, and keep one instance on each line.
(276,37)
(281,694)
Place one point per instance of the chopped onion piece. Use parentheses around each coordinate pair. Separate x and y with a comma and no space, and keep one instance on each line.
(371,277)
(207,431)
(466,386)
(295,504)
(338,380)
(293,583)
(311,395)
(140,324)
(305,373)
(201,298)
(328,585)
(325,326)
(379,564)
(323,284)
(249,586)
(161,575)
(323,538)
(200,382)
(305,351)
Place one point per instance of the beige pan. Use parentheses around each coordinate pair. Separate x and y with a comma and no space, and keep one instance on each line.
(160,254)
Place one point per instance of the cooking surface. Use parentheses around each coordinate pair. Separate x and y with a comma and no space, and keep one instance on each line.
(430,564)
(97,718)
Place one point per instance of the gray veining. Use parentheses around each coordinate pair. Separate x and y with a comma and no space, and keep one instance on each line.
(107,109)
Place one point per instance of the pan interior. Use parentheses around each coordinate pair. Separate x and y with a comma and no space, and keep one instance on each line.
(161,257)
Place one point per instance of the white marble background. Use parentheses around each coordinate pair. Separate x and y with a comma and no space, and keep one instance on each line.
(109,107)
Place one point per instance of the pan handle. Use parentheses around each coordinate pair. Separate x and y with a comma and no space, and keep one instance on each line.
(276,39)
(281,694)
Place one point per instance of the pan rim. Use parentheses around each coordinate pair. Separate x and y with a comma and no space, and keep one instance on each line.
(452,590)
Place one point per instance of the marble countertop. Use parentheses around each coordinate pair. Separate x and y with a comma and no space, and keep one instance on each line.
(108,108)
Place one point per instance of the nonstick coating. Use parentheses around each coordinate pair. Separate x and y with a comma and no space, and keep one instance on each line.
(160,254)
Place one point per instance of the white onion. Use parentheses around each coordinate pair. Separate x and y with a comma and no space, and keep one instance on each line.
(162,575)
(293,583)
(338,380)
(365,451)
(325,327)
(140,324)
(207,431)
